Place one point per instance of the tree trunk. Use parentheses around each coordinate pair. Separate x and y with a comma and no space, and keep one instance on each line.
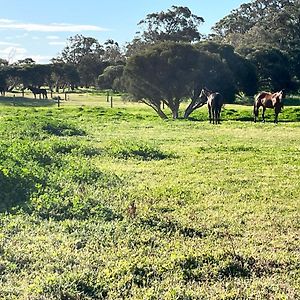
(196,103)
(157,108)
(174,106)
(161,113)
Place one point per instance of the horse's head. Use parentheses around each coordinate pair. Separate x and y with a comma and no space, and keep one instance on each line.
(204,94)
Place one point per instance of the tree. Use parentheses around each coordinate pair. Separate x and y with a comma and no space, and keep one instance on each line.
(294,59)
(112,53)
(243,71)
(88,56)
(25,62)
(272,68)
(212,73)
(135,46)
(177,24)
(79,47)
(3,62)
(89,69)
(260,23)
(171,72)
(111,78)
(64,75)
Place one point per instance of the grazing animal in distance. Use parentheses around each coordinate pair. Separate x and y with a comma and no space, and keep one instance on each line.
(268,100)
(214,103)
(3,89)
(38,91)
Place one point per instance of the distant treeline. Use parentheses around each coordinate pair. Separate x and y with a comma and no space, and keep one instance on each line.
(255,47)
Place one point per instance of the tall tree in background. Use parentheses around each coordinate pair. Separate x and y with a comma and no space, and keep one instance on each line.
(273,25)
(79,47)
(273,68)
(177,24)
(261,22)
(112,53)
(86,54)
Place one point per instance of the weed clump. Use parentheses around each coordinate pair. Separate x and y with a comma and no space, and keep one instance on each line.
(58,128)
(136,150)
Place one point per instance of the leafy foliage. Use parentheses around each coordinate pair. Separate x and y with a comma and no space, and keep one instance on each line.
(176,24)
(171,72)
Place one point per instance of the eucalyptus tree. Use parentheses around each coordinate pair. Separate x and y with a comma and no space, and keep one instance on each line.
(177,24)
(243,70)
(262,22)
(273,68)
(64,75)
(113,53)
(85,53)
(111,78)
(170,72)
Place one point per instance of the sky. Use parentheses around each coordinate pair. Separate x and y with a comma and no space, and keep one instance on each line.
(39,29)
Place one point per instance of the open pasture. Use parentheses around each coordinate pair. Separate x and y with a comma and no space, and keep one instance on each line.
(100,203)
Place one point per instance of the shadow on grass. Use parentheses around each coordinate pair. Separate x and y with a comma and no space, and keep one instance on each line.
(26,102)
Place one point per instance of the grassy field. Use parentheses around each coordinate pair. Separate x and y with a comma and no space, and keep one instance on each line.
(101,203)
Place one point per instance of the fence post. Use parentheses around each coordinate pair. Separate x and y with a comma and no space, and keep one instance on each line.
(107,96)
(111,101)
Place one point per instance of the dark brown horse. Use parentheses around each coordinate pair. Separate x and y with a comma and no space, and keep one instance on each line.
(268,100)
(214,103)
(38,91)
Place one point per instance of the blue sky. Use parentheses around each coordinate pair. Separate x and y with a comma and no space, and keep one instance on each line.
(39,29)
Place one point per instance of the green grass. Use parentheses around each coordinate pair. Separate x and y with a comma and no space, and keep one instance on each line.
(217,207)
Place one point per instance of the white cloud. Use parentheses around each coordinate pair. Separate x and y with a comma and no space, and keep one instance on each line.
(6,21)
(54,27)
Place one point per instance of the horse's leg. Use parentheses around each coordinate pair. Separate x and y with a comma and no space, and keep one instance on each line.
(255,112)
(215,116)
(209,112)
(277,111)
(263,114)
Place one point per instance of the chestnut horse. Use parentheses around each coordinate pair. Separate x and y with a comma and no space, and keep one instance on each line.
(268,100)
(214,103)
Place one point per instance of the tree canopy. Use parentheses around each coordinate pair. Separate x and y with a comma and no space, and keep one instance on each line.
(262,22)
(177,24)
(169,73)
